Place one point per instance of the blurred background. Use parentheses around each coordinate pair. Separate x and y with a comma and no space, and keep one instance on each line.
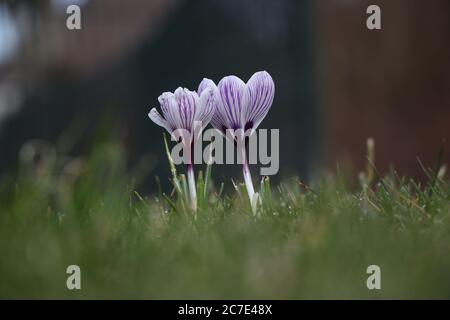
(337,83)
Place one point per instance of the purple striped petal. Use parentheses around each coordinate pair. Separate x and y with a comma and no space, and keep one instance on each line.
(187,102)
(181,109)
(234,98)
(261,90)
(206,106)
(169,108)
(219,120)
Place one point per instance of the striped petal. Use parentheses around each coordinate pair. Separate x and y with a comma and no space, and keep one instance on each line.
(218,120)
(234,97)
(261,90)
(187,102)
(169,108)
(206,106)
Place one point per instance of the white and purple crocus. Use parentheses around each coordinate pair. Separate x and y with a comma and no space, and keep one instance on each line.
(232,107)
(184,109)
(240,108)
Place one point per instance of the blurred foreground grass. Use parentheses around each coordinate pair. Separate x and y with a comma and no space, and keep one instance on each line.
(307,242)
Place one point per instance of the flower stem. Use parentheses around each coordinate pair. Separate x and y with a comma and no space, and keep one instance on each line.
(248,180)
(192,186)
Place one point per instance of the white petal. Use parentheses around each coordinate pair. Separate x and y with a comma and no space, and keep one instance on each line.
(158,119)
(206,83)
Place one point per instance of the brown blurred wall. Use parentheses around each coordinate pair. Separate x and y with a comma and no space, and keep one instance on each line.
(391,84)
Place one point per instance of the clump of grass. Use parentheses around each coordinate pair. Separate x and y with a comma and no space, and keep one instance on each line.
(306,241)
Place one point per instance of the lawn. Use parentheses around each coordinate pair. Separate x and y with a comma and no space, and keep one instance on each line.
(306,241)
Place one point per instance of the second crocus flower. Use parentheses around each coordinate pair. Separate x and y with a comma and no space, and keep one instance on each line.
(241,107)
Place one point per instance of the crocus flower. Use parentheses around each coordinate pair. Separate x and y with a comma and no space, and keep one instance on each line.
(243,106)
(183,109)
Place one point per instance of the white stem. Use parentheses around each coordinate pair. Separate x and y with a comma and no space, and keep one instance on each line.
(192,186)
(248,180)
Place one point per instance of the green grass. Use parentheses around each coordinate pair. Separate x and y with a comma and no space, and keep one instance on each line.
(311,241)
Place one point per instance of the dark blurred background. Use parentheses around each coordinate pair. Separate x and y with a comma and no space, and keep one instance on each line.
(337,83)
